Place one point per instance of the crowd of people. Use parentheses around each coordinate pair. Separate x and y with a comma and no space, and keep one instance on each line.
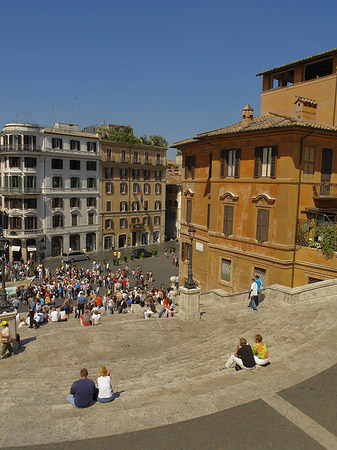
(88,294)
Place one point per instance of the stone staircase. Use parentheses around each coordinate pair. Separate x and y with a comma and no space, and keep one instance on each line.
(166,370)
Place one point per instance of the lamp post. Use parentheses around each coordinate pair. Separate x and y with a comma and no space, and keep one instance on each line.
(4,305)
(190,284)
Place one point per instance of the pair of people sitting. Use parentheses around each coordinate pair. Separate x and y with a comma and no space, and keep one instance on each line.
(86,319)
(246,357)
(84,393)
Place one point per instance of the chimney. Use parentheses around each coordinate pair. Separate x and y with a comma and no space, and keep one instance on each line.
(305,109)
(247,115)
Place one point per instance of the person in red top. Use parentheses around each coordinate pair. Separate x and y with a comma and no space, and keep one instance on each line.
(99,301)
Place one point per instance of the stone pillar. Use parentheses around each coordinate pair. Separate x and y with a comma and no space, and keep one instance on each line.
(189,304)
(11,319)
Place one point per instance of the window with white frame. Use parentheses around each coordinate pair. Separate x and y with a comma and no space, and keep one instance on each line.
(91,202)
(147,188)
(57,143)
(135,206)
(91,146)
(108,173)
(158,188)
(146,205)
(91,183)
(157,205)
(146,220)
(108,187)
(75,182)
(57,182)
(122,223)
(123,206)
(108,154)
(156,220)
(135,188)
(108,224)
(123,188)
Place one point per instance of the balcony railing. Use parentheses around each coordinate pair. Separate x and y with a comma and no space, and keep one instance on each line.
(317,234)
(325,190)
(19,232)
(20,148)
(20,190)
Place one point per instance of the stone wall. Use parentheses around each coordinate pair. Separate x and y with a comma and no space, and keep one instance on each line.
(277,295)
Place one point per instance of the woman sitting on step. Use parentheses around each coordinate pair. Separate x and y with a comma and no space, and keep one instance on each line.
(260,351)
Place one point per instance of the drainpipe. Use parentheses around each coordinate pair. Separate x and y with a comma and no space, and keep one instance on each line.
(298,205)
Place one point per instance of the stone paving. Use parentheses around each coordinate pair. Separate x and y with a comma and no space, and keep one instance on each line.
(166,371)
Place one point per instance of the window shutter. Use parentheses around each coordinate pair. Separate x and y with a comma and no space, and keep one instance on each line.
(183,251)
(187,160)
(230,214)
(34,141)
(222,163)
(189,211)
(257,162)
(19,140)
(192,166)
(273,162)
(264,225)
(237,162)
(210,166)
(228,219)
(88,146)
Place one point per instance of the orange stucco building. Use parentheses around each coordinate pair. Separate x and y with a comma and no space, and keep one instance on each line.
(262,193)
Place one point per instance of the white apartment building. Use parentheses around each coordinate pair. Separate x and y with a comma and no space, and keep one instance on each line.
(49,189)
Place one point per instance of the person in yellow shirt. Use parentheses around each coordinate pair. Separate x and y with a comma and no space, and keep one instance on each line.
(260,351)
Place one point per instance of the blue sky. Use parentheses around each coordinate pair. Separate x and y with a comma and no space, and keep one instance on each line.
(174,68)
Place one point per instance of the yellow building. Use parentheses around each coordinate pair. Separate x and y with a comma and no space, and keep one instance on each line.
(262,193)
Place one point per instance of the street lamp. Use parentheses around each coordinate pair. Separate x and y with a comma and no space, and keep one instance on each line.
(190,284)
(4,305)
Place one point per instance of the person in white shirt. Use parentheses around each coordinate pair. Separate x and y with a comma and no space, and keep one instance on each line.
(96,318)
(105,392)
(253,295)
(54,315)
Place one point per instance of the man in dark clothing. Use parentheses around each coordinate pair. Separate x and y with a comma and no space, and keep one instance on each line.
(80,304)
(31,310)
(243,356)
(82,391)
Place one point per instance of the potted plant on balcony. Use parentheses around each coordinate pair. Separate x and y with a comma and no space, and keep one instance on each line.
(132,257)
(125,258)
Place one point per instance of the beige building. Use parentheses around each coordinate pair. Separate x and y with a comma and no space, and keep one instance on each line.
(132,195)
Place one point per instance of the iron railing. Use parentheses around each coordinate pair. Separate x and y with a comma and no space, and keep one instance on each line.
(325,190)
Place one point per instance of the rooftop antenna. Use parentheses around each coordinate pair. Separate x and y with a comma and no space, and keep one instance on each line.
(71,113)
(58,113)
(75,111)
(103,121)
(53,113)
(24,117)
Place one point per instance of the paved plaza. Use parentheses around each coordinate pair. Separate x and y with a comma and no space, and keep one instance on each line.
(172,393)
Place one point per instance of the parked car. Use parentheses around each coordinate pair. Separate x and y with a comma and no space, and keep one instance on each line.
(74,256)
(137,252)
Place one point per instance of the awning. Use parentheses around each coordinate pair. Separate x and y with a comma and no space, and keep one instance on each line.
(16,248)
(31,249)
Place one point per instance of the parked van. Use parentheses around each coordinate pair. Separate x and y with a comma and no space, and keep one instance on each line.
(74,256)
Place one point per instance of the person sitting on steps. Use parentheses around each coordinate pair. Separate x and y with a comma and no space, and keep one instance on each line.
(243,356)
(260,351)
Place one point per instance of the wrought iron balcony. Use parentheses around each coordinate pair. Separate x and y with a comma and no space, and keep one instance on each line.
(20,148)
(325,190)
(20,190)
